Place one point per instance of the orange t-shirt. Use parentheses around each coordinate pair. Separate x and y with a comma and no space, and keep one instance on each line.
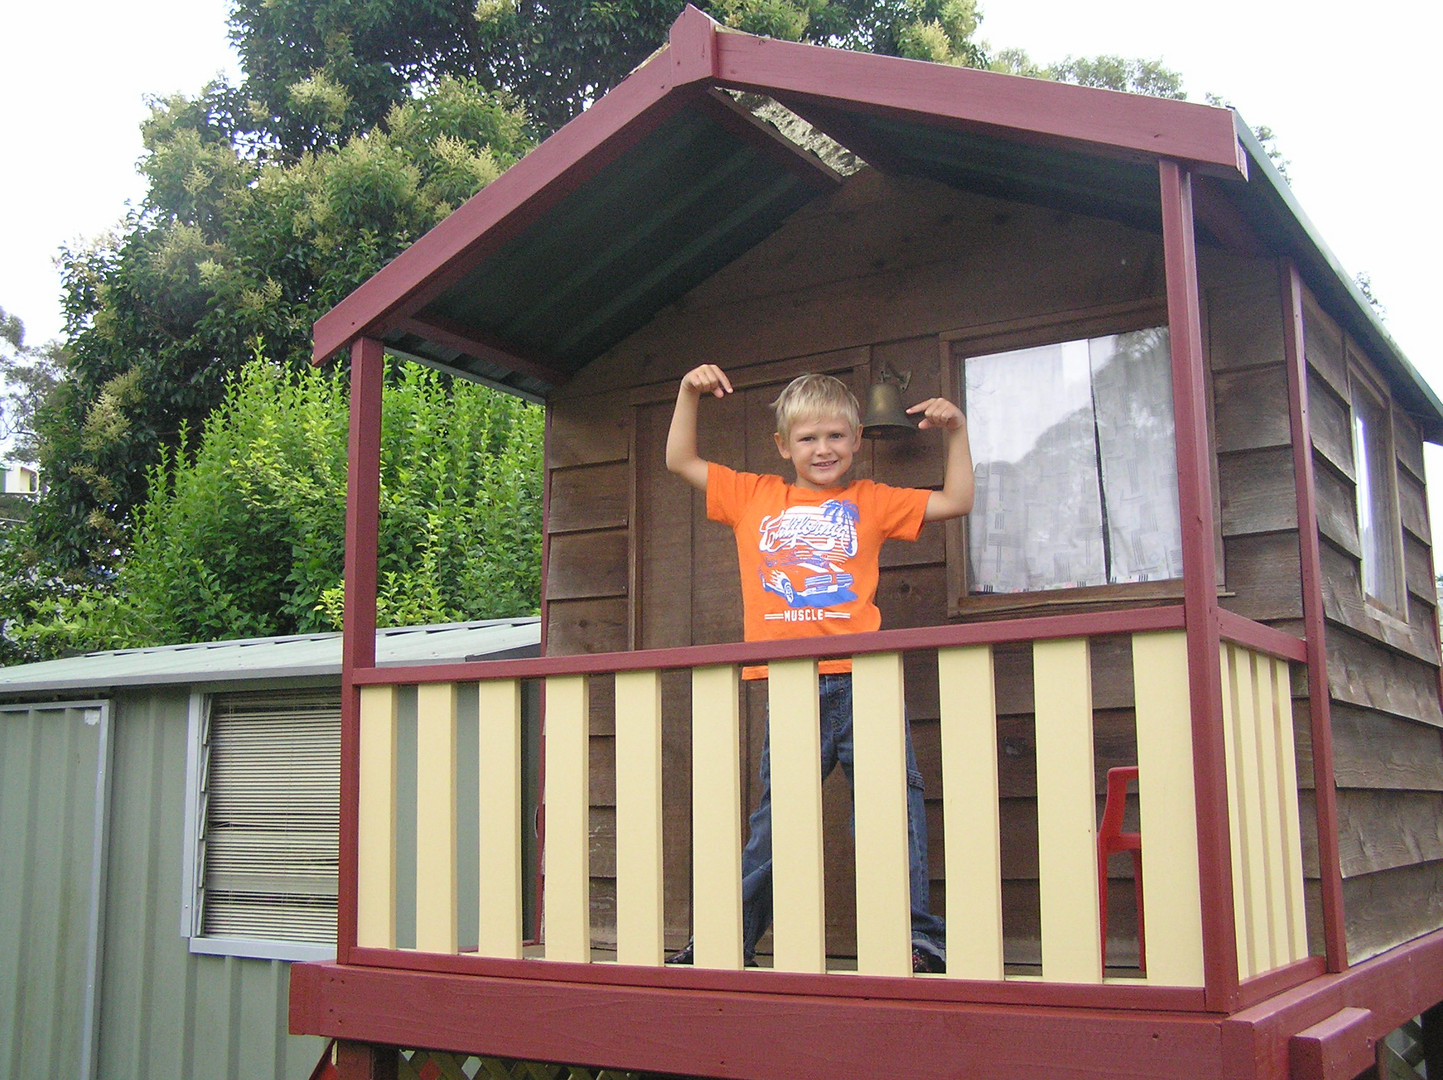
(809,558)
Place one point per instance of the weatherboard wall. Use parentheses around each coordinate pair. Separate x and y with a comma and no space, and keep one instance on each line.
(1383,667)
(892,269)
(887,271)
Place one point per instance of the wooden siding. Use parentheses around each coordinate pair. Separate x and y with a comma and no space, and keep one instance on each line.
(870,276)
(1383,675)
(880,272)
(1383,672)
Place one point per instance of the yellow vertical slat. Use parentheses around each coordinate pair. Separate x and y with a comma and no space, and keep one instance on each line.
(376,826)
(499,754)
(568,861)
(971,824)
(1297,929)
(1274,901)
(879,776)
(638,818)
(1172,895)
(716,813)
(1066,812)
(1255,854)
(436,899)
(1237,831)
(799,923)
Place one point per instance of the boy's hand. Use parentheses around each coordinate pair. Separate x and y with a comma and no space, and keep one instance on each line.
(681,455)
(707,379)
(938,413)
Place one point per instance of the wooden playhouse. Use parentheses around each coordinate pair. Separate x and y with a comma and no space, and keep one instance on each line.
(1200,548)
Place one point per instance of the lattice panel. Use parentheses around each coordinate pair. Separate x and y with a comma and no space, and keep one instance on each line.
(1400,1054)
(434,1065)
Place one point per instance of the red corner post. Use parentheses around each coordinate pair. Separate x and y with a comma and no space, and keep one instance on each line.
(1330,872)
(1200,603)
(358,639)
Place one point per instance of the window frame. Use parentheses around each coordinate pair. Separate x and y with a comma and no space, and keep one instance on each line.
(192,912)
(955,348)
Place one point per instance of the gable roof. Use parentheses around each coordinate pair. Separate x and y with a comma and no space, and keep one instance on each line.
(669,177)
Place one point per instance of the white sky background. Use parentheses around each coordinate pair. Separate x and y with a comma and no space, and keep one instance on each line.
(1348,88)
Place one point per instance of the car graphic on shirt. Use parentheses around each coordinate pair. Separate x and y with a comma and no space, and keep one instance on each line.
(804,551)
(817,590)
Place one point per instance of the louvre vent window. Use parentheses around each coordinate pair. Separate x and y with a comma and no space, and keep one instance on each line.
(269,814)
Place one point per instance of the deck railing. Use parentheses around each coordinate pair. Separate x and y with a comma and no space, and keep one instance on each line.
(1262,787)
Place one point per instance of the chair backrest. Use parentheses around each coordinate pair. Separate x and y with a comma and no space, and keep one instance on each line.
(1117,781)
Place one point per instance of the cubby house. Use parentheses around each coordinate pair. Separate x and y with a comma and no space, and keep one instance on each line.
(1200,548)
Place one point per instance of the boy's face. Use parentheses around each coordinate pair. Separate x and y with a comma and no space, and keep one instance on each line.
(821,449)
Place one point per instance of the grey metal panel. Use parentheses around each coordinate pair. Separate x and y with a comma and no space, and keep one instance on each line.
(257,658)
(49,757)
(166,1014)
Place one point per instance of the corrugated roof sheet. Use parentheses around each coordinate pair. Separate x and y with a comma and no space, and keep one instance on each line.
(269,658)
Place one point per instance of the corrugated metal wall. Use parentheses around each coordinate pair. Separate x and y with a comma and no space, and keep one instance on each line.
(164,1014)
(49,758)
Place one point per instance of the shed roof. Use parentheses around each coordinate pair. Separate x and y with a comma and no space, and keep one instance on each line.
(669,177)
(269,658)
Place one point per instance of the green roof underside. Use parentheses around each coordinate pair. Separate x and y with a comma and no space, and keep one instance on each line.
(689,199)
(695,193)
(1116,188)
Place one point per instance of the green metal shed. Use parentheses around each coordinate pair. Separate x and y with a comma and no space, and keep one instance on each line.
(139,938)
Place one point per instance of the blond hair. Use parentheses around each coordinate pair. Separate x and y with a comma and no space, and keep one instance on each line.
(815,397)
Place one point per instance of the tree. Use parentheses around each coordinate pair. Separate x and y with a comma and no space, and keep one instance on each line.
(243,534)
(1106,72)
(28,375)
(358,126)
(324,70)
(231,249)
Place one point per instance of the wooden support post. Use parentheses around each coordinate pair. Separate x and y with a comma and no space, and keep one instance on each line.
(362,1061)
(358,638)
(1330,873)
(1200,602)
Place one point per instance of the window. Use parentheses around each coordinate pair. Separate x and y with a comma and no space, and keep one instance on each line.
(1075,464)
(1379,532)
(263,786)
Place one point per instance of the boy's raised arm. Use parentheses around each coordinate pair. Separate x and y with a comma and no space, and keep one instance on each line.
(681,455)
(955,498)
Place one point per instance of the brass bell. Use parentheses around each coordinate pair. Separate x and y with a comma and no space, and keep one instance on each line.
(886,419)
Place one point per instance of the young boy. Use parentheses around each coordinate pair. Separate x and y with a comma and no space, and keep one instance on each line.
(809,564)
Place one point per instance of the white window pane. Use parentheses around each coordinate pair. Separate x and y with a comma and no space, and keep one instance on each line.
(1132,393)
(1036,522)
(1378,529)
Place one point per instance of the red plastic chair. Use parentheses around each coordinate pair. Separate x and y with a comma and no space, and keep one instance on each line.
(1111,840)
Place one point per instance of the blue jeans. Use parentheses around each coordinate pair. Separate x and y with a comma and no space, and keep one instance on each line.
(928,930)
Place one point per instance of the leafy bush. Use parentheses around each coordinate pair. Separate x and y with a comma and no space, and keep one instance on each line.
(245,537)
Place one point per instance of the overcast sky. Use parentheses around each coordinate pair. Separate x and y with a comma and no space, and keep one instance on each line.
(1348,88)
